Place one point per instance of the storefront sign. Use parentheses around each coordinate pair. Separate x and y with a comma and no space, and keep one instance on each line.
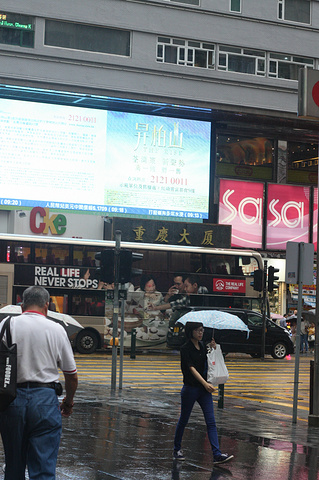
(54,276)
(287,215)
(173,233)
(41,221)
(226,285)
(241,205)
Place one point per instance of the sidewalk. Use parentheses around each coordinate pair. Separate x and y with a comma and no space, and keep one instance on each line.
(129,436)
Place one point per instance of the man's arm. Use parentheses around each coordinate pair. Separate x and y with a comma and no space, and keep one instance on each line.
(71,384)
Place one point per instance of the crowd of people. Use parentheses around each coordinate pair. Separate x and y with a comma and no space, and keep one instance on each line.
(307,331)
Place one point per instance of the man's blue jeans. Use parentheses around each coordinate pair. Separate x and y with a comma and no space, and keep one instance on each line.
(189,395)
(31,430)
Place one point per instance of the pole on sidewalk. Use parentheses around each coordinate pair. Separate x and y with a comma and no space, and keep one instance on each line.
(116,309)
(313,418)
(122,338)
(297,353)
(263,333)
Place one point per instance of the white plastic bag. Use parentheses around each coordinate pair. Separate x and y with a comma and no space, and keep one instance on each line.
(217,371)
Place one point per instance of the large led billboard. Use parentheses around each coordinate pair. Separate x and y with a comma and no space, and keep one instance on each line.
(104,162)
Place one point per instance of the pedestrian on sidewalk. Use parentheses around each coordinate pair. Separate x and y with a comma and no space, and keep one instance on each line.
(304,325)
(31,426)
(196,388)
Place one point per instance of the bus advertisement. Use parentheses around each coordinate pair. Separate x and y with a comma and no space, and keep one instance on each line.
(67,269)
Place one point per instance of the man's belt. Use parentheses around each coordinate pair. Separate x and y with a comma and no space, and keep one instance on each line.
(36,385)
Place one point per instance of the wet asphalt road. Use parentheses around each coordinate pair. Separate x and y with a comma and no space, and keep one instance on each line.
(128,435)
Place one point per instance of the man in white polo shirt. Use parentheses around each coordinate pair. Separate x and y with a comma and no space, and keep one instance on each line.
(31,426)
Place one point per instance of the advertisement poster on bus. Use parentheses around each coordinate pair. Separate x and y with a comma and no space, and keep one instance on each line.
(241,205)
(287,215)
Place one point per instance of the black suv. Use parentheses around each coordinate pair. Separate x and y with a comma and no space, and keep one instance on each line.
(278,342)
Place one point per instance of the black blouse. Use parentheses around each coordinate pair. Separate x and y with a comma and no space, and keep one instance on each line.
(191,357)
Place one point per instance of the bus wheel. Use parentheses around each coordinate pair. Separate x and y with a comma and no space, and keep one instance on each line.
(86,341)
(279,350)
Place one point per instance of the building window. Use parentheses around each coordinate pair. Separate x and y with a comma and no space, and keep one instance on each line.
(230,59)
(246,157)
(242,60)
(235,5)
(87,37)
(16,29)
(287,66)
(302,162)
(294,10)
(185,52)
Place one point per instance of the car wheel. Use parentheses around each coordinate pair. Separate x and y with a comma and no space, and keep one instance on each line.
(86,341)
(279,350)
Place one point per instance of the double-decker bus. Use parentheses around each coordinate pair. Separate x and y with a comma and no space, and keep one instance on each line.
(67,269)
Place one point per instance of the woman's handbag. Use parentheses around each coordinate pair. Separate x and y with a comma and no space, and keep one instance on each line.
(8,367)
(217,373)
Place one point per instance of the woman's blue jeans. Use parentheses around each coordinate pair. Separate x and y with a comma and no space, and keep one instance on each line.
(31,430)
(304,342)
(190,395)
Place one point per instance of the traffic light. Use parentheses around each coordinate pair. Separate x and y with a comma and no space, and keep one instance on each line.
(272,278)
(258,283)
(105,271)
(126,260)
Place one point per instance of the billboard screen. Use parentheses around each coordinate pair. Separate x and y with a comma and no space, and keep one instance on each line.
(287,215)
(241,205)
(103,162)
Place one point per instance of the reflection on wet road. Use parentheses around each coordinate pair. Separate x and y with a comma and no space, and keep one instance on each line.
(268,383)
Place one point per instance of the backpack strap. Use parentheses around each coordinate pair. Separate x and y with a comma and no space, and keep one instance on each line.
(6,330)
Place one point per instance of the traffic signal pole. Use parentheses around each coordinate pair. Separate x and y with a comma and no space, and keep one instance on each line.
(263,333)
(116,309)
(313,419)
(297,352)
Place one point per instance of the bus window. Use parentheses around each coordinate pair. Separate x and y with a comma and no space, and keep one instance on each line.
(45,253)
(221,265)
(18,252)
(186,262)
(248,265)
(153,261)
(84,256)
(84,304)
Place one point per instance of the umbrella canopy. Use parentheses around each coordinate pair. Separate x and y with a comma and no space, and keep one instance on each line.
(276,316)
(62,318)
(217,319)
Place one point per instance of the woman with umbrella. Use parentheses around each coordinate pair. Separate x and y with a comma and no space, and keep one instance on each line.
(196,388)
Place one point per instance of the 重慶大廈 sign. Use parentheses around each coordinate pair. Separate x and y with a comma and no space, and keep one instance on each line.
(173,233)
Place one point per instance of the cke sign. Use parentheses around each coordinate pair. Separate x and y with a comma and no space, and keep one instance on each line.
(41,222)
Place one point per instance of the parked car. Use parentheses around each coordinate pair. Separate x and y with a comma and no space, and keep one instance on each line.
(85,340)
(278,342)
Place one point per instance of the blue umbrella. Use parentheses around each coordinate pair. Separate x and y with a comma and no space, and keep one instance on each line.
(215,319)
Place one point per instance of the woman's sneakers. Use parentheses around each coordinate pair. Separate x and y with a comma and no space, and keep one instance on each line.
(178,455)
(223,458)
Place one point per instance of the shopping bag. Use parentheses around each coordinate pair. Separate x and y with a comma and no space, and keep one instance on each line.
(217,372)
(8,368)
